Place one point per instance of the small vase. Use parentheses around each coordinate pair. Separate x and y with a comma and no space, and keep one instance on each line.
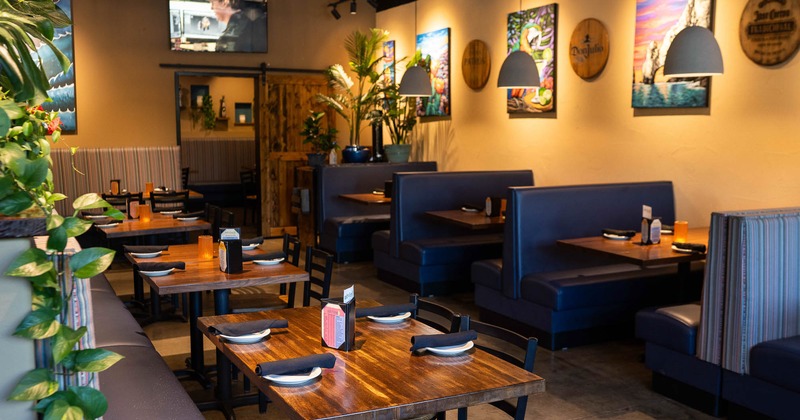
(397,153)
(355,154)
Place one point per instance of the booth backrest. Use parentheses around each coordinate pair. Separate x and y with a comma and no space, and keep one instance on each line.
(747,252)
(416,193)
(333,180)
(536,217)
(133,166)
(217,159)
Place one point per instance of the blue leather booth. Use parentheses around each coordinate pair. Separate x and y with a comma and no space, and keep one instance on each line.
(427,256)
(563,296)
(346,227)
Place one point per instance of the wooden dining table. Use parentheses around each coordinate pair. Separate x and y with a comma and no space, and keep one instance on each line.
(159,224)
(369,199)
(380,378)
(204,275)
(477,220)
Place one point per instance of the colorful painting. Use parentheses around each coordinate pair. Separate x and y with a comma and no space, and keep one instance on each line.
(388,62)
(436,44)
(657,24)
(534,31)
(62,90)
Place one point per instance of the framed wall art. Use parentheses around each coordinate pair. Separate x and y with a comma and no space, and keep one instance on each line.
(534,31)
(657,24)
(62,90)
(388,62)
(437,45)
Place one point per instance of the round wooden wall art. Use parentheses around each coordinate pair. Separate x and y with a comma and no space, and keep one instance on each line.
(476,64)
(768,30)
(588,48)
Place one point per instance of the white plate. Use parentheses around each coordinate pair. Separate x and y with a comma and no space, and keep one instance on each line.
(110,225)
(269,262)
(451,350)
(249,247)
(170,211)
(247,339)
(617,237)
(187,219)
(682,251)
(96,216)
(469,210)
(156,273)
(294,379)
(146,254)
(390,319)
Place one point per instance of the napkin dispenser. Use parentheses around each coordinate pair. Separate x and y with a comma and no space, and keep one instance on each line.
(339,323)
(230,250)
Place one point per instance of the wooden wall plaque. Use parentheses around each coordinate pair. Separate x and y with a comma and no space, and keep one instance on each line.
(588,48)
(476,64)
(768,30)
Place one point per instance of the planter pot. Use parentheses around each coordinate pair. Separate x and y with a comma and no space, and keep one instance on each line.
(316,159)
(397,153)
(355,154)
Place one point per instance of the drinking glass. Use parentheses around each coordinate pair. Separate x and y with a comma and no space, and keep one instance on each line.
(681,231)
(145,214)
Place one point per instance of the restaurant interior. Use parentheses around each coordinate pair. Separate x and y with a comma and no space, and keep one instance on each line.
(573,171)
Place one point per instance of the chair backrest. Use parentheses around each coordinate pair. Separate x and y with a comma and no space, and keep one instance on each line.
(120,201)
(291,247)
(248,182)
(211,212)
(226,218)
(509,346)
(185,178)
(319,265)
(169,200)
(434,315)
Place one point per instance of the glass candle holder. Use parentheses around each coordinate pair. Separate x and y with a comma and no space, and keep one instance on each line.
(145,214)
(681,231)
(148,188)
(205,247)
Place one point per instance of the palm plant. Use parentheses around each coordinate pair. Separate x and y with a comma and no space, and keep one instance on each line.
(355,100)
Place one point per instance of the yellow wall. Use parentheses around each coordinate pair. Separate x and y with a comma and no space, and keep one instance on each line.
(125,99)
(742,152)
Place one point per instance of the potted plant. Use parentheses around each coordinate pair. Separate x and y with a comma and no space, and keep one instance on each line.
(322,141)
(354,101)
(26,190)
(399,115)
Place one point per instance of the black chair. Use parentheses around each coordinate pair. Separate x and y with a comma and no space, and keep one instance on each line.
(121,201)
(291,247)
(249,194)
(169,200)
(269,301)
(185,178)
(509,346)
(435,315)
(319,265)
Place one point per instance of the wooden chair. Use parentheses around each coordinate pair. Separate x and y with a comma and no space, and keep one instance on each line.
(319,265)
(249,194)
(291,247)
(185,178)
(435,315)
(120,201)
(169,200)
(509,346)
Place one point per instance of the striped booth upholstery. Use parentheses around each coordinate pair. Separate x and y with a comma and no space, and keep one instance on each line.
(133,166)
(217,159)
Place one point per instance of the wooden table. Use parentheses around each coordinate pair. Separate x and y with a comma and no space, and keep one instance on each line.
(470,220)
(202,275)
(368,198)
(159,224)
(381,378)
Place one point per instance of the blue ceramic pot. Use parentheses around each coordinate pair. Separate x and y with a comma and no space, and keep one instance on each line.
(355,154)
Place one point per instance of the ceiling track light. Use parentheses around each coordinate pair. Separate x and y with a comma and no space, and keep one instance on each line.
(335,12)
(353,7)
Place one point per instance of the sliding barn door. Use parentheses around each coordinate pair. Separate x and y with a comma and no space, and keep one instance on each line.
(287,101)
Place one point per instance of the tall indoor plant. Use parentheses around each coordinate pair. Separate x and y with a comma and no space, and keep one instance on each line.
(354,100)
(26,189)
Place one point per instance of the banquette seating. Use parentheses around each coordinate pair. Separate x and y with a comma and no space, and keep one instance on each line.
(429,257)
(563,296)
(740,348)
(346,227)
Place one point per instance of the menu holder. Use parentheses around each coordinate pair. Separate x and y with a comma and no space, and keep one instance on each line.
(339,322)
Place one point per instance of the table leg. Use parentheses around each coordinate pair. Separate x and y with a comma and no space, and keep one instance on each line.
(684,281)
(196,363)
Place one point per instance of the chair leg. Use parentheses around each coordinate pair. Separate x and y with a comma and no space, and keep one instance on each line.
(462,413)
(262,402)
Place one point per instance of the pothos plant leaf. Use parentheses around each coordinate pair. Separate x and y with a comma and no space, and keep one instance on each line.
(46,280)
(35,385)
(62,410)
(91,262)
(15,203)
(91,401)
(57,239)
(76,227)
(63,342)
(38,324)
(89,201)
(31,263)
(95,360)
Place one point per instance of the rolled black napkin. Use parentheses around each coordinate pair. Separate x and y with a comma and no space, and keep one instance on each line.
(106,222)
(442,340)
(268,256)
(688,246)
(235,329)
(386,310)
(192,214)
(252,241)
(297,364)
(159,266)
(620,232)
(145,249)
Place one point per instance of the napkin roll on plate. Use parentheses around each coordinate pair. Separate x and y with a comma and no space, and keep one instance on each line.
(265,256)
(620,232)
(235,329)
(297,364)
(687,246)
(442,340)
(192,214)
(145,249)
(159,266)
(386,310)
(253,241)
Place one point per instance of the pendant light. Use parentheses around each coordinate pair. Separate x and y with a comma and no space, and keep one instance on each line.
(416,81)
(693,53)
(519,69)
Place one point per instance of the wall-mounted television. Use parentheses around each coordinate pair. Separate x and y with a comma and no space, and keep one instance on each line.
(218,25)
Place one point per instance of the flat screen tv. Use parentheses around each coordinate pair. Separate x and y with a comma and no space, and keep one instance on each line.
(218,25)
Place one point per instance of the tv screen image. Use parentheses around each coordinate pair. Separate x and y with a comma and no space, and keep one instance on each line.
(218,25)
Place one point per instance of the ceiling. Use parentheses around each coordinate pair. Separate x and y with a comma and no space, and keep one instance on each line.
(388,4)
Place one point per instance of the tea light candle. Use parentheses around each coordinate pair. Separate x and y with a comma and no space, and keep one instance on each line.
(145,214)
(199,101)
(242,119)
(681,231)
(205,247)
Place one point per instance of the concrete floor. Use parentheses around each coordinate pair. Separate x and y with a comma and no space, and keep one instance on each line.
(607,380)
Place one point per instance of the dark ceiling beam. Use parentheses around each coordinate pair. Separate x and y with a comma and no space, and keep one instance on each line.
(388,4)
